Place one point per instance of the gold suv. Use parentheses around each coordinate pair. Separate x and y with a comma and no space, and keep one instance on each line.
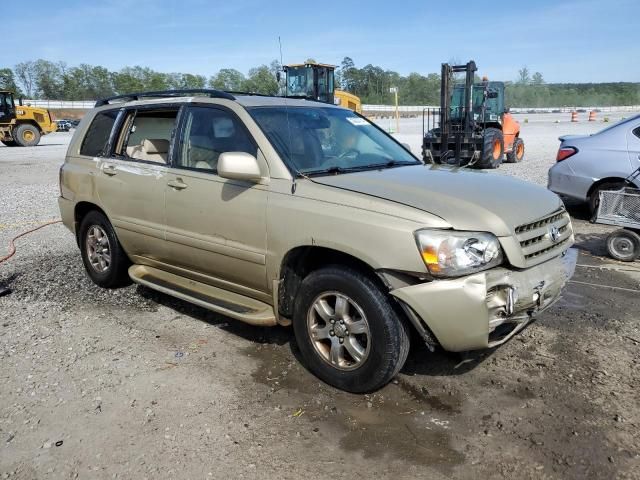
(273,210)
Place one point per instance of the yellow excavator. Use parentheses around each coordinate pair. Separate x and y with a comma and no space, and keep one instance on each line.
(316,80)
(22,125)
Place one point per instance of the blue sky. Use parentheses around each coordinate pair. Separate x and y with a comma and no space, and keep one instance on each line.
(581,41)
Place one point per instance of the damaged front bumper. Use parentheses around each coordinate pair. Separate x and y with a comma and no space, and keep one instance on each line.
(485,309)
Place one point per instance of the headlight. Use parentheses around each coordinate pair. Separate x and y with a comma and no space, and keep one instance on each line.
(448,253)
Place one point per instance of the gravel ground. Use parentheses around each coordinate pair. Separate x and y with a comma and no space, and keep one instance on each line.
(135,384)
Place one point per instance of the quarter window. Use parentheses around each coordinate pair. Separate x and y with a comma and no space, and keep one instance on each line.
(636,132)
(209,132)
(97,136)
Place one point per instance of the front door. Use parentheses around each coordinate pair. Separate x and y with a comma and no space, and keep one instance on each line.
(215,227)
(7,107)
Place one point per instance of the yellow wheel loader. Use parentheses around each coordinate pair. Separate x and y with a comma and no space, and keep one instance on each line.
(22,125)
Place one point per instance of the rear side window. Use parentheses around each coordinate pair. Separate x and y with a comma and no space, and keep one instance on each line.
(636,132)
(97,136)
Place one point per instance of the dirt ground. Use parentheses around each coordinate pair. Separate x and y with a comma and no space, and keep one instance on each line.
(135,384)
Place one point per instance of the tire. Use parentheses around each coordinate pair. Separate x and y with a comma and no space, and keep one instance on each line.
(383,341)
(517,152)
(9,143)
(26,135)
(624,245)
(96,232)
(492,149)
(594,198)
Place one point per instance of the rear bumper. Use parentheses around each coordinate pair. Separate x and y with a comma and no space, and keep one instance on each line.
(67,213)
(486,309)
(564,181)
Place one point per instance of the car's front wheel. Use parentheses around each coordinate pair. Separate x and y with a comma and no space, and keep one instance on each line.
(348,331)
(104,259)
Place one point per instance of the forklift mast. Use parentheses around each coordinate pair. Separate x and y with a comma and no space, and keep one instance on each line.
(466,115)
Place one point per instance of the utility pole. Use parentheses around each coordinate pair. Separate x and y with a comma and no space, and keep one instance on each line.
(394,90)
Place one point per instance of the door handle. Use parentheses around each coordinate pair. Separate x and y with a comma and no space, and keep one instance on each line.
(109,170)
(177,184)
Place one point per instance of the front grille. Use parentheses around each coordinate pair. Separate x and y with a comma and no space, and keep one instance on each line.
(536,239)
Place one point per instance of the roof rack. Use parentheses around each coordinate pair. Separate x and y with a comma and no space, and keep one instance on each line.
(166,94)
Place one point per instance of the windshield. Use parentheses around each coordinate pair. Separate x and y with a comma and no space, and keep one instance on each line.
(317,140)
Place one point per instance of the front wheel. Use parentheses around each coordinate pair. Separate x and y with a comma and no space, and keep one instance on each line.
(348,331)
(27,135)
(624,245)
(492,149)
(104,259)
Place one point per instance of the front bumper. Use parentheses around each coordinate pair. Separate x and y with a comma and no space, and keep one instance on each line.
(486,309)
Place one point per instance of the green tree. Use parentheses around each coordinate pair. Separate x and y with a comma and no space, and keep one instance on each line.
(261,80)
(537,79)
(26,74)
(228,79)
(524,78)
(8,81)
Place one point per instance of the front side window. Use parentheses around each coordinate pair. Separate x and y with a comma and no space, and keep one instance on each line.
(97,136)
(208,133)
(326,140)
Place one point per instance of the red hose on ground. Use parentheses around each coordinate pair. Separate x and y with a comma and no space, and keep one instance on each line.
(12,245)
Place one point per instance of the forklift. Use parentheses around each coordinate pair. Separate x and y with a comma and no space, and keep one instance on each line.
(22,125)
(472,127)
(316,81)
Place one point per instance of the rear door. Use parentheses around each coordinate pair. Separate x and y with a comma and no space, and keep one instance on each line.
(216,227)
(132,178)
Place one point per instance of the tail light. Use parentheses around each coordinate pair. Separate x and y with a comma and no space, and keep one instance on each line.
(565,152)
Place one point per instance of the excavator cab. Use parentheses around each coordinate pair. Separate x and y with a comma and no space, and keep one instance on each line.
(310,80)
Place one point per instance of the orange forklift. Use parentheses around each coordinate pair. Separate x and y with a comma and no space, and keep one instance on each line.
(472,127)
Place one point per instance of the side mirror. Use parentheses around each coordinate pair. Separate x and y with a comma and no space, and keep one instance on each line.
(239,166)
(406,145)
(278,77)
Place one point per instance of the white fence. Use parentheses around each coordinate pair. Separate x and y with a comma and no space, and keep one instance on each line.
(66,104)
(420,108)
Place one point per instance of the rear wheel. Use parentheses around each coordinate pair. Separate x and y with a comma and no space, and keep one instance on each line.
(517,152)
(492,150)
(27,135)
(624,245)
(348,331)
(104,259)
(9,143)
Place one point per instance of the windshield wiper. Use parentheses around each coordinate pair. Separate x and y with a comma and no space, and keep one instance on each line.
(390,164)
(335,170)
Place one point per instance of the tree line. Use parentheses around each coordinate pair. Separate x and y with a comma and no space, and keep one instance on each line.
(57,81)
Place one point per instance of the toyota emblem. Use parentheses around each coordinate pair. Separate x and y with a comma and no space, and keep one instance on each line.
(554,234)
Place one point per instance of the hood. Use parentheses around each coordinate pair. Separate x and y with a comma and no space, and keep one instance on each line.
(467,199)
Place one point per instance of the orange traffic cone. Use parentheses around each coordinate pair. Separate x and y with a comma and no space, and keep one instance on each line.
(574,116)
(592,116)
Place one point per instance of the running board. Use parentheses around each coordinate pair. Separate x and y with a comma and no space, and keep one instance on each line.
(227,303)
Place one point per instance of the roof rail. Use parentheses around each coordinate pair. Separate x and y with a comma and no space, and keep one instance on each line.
(166,94)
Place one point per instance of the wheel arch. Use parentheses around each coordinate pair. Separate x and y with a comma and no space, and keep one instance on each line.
(304,259)
(602,181)
(28,121)
(80,210)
